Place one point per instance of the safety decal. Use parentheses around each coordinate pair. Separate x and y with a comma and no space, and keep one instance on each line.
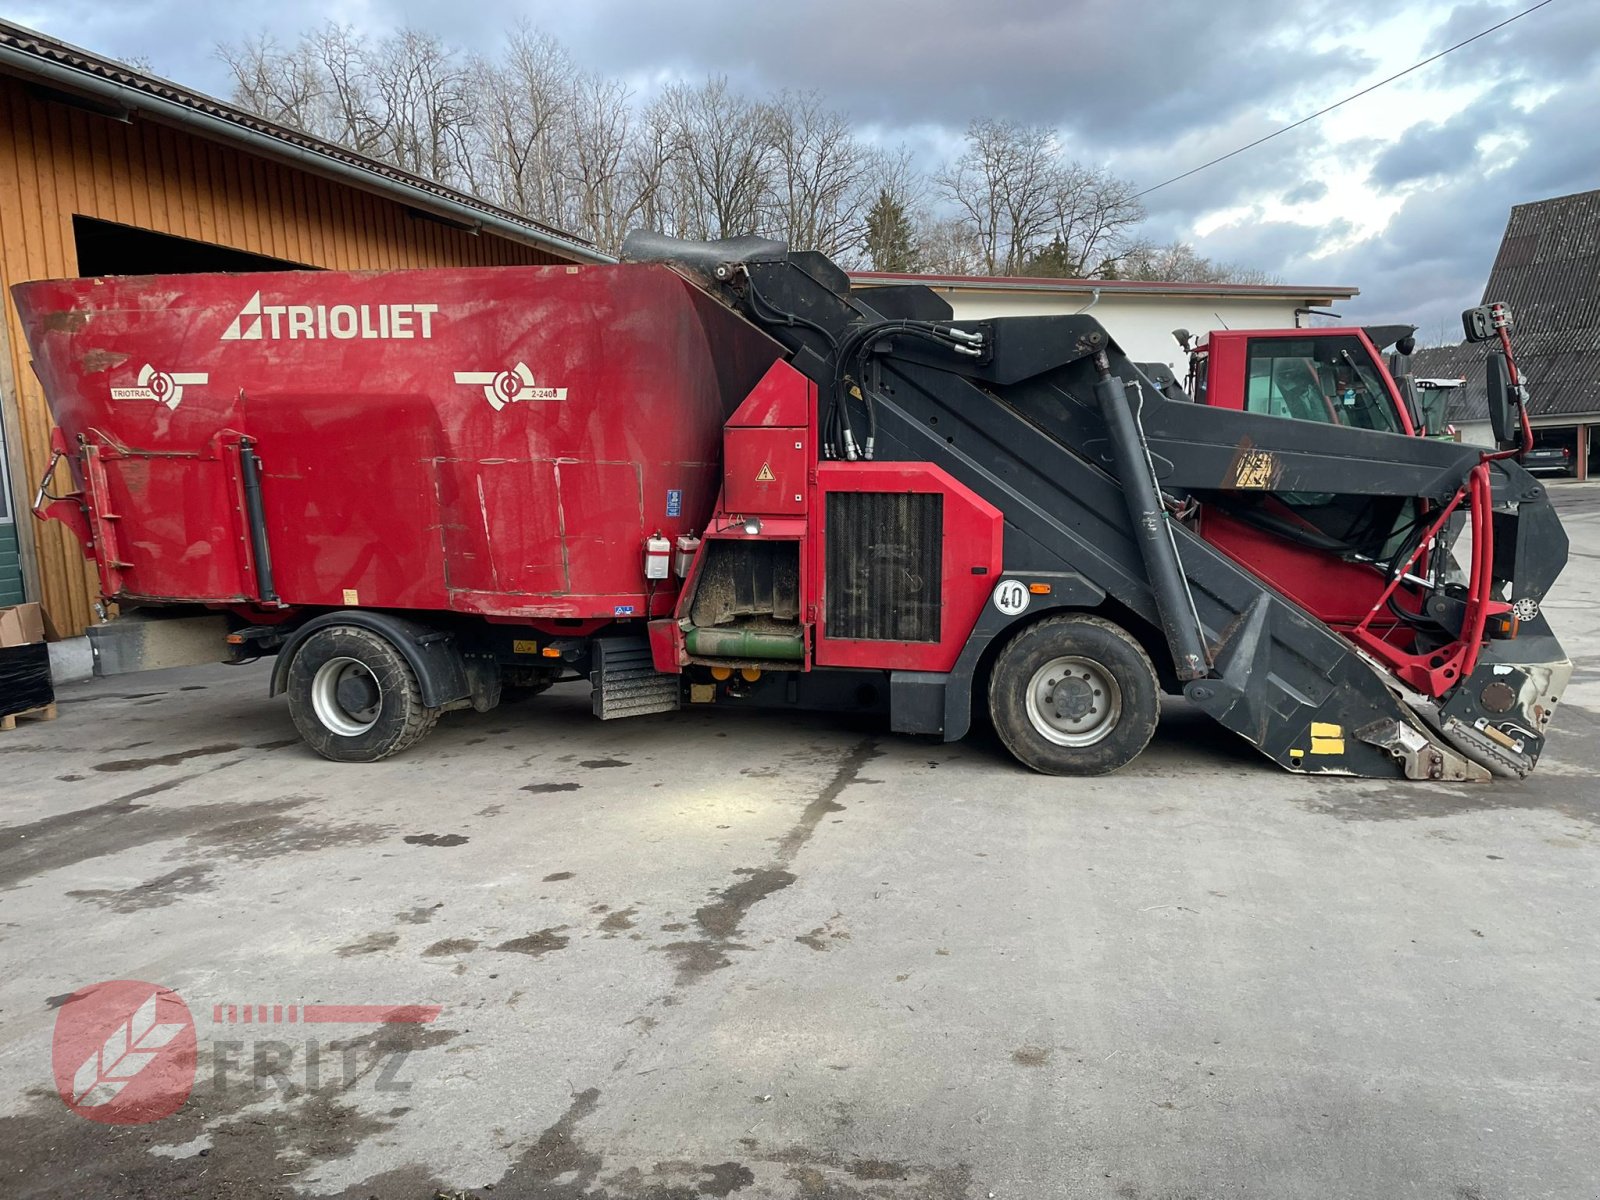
(765,475)
(623,610)
(1255,469)
(1326,738)
(674,502)
(164,387)
(1011,597)
(501,388)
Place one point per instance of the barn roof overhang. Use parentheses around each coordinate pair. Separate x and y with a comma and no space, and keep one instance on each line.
(71,75)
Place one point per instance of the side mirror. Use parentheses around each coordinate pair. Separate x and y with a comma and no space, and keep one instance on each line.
(1502,414)
(1406,346)
(1483,324)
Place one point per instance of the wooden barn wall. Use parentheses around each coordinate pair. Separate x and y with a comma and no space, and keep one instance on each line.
(57,161)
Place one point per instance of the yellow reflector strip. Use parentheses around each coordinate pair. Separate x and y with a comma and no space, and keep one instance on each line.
(550,652)
(1039,589)
(1326,729)
(1327,745)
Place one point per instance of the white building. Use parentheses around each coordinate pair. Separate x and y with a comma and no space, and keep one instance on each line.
(1140,316)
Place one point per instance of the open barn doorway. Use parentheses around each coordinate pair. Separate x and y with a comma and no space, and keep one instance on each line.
(107,248)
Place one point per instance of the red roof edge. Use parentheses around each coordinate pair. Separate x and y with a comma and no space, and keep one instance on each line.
(1041,284)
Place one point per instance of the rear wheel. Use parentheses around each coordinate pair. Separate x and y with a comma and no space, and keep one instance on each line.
(353,696)
(1074,695)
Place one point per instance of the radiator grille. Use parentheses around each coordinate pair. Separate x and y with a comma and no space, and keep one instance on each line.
(883,568)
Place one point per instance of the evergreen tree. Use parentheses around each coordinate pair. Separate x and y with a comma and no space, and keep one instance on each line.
(891,245)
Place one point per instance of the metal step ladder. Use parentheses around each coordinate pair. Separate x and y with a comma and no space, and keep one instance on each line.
(625,683)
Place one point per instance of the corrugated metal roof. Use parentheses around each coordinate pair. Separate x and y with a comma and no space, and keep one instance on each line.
(23,49)
(1548,271)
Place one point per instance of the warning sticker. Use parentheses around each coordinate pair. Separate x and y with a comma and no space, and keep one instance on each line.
(765,475)
(1255,469)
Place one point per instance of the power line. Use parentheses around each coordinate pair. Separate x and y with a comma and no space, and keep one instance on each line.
(1356,96)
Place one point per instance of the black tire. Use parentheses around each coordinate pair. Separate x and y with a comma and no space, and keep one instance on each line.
(353,696)
(1095,696)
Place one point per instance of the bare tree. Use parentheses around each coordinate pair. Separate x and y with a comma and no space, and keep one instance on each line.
(1004,187)
(427,94)
(721,158)
(1091,213)
(346,110)
(1177,262)
(1030,210)
(281,85)
(527,129)
(820,187)
(609,188)
(526,125)
(949,247)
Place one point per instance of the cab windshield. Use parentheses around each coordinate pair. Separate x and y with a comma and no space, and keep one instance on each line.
(1328,379)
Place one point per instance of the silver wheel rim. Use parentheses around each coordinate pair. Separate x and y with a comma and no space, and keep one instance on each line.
(1073,701)
(331,711)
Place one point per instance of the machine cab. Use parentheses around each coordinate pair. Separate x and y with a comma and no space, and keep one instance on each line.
(1334,376)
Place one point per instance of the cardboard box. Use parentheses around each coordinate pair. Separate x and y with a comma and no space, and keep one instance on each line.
(21,625)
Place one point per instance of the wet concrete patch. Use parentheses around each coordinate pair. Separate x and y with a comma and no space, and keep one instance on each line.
(538,943)
(153,893)
(824,1175)
(373,943)
(272,834)
(720,920)
(723,1179)
(557,1155)
(450,946)
(1032,1056)
(618,922)
(545,789)
(595,764)
(556,877)
(1413,800)
(825,936)
(108,829)
(434,839)
(419,915)
(166,760)
(255,1150)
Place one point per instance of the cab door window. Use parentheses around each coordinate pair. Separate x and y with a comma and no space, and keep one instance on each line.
(1332,380)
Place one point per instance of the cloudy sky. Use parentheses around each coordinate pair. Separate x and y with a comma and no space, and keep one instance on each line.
(1402,193)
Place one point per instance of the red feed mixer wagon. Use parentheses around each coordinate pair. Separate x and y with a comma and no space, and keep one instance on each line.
(716,474)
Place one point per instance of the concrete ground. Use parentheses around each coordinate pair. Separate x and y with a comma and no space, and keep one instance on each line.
(760,956)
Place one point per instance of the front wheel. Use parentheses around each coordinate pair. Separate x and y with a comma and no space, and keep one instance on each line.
(353,696)
(1074,695)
